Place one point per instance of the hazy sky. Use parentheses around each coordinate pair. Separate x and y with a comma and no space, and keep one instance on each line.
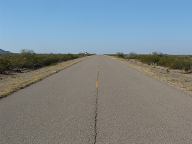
(100,26)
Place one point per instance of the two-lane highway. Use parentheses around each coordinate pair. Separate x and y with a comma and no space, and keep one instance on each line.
(97,101)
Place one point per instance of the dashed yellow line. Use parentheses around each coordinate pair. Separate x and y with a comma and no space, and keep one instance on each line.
(97,81)
(97,84)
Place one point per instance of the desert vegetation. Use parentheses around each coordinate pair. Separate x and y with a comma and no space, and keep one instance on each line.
(181,62)
(27,59)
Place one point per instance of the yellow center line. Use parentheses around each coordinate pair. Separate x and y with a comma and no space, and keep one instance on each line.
(97,84)
(97,81)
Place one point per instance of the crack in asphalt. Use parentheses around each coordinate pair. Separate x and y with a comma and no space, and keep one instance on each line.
(96,108)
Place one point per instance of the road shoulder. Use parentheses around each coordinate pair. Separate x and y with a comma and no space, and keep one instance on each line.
(14,82)
(175,78)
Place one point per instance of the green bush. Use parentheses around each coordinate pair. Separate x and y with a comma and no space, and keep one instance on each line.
(121,55)
(150,59)
(170,61)
(4,65)
(29,60)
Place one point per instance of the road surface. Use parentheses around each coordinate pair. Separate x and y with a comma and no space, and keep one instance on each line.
(97,101)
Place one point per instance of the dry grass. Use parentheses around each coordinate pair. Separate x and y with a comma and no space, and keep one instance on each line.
(12,83)
(176,78)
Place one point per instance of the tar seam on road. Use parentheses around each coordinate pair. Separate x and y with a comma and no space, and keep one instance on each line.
(96,108)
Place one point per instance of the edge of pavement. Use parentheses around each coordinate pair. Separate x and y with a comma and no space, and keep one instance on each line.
(26,79)
(149,73)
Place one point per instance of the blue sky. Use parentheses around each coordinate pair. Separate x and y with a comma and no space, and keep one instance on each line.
(100,26)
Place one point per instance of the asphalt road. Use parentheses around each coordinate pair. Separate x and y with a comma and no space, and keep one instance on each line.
(97,101)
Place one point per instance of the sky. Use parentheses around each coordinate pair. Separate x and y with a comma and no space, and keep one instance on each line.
(96,26)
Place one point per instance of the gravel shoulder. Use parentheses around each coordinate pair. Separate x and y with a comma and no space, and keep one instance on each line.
(15,81)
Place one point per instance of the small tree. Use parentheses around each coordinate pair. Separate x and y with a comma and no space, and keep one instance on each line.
(26,51)
(28,59)
(121,55)
(132,55)
(4,65)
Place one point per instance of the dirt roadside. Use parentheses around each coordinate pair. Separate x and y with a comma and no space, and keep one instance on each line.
(16,81)
(176,78)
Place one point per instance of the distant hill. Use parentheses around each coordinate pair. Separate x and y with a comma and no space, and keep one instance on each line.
(3,51)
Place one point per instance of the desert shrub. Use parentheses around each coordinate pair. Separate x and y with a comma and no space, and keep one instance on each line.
(121,55)
(4,65)
(170,61)
(132,55)
(149,59)
(187,66)
(183,65)
(29,60)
